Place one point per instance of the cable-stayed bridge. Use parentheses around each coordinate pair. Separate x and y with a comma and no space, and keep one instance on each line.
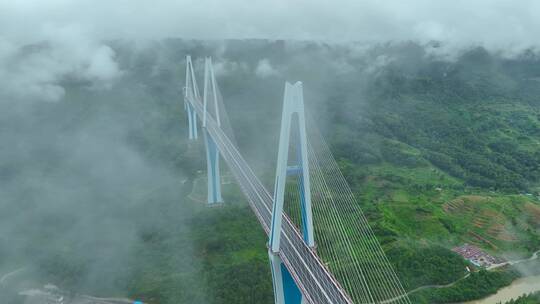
(321,247)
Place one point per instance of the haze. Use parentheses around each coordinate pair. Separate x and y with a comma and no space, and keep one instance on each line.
(99,185)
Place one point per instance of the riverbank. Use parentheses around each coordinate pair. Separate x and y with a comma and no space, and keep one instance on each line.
(516,289)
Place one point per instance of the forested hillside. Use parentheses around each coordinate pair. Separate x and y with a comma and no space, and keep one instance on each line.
(526,299)
(441,148)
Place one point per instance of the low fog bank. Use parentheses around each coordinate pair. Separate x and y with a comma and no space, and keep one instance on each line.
(94,169)
(494,24)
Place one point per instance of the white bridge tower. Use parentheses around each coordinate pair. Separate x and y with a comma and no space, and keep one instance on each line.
(292,119)
(191,92)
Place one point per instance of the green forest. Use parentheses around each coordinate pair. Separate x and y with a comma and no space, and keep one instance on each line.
(439,152)
(526,299)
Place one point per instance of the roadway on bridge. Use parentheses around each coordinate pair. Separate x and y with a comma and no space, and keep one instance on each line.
(316,281)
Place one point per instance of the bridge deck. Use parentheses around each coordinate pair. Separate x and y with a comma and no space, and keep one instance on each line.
(312,277)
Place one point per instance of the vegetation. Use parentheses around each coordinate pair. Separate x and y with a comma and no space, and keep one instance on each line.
(439,153)
(426,265)
(533,298)
(231,268)
(476,286)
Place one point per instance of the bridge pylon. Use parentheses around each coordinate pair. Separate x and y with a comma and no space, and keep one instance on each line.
(191,91)
(212,152)
(192,97)
(292,120)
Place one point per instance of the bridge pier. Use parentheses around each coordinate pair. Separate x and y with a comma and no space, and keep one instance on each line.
(212,152)
(285,289)
(192,121)
(213,172)
(293,119)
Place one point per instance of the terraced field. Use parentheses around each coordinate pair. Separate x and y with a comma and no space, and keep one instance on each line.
(495,222)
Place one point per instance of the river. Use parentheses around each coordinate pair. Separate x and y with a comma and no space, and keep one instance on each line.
(514,290)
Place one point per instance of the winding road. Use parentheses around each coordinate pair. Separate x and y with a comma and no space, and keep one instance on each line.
(533,257)
(439,286)
(5,277)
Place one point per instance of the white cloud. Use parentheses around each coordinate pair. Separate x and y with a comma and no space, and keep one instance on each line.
(75,31)
(380,62)
(224,67)
(36,71)
(102,67)
(494,23)
(265,69)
